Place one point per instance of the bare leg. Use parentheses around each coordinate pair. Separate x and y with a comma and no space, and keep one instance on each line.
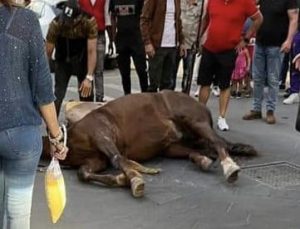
(204,93)
(223,101)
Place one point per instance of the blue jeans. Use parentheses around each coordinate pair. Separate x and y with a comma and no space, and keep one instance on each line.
(267,64)
(20,150)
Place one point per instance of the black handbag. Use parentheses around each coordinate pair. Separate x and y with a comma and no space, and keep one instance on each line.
(298,119)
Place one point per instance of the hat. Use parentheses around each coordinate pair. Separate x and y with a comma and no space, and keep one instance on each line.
(70,10)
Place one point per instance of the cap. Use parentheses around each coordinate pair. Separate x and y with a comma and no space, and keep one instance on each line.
(71,10)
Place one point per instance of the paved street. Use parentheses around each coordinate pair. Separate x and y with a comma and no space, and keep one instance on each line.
(267,194)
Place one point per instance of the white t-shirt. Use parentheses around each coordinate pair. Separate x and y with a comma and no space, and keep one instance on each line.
(169,34)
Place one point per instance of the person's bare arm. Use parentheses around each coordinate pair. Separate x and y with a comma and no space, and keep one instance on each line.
(48,113)
(86,85)
(49,49)
(257,20)
(293,24)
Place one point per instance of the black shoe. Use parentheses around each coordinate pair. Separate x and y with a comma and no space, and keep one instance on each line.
(287,93)
(281,87)
(238,95)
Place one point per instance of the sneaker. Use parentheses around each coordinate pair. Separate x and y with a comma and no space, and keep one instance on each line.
(270,117)
(222,124)
(216,91)
(252,115)
(197,92)
(293,98)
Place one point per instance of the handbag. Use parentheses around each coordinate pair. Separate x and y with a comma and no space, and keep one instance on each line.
(298,119)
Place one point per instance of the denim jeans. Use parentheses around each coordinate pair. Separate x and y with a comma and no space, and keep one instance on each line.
(20,150)
(267,64)
(99,87)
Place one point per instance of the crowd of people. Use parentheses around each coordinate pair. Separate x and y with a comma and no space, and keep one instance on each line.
(239,42)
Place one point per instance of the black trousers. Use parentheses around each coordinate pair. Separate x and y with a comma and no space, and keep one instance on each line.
(63,73)
(137,52)
(161,69)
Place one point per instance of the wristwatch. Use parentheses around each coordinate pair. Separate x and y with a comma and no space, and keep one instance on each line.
(89,77)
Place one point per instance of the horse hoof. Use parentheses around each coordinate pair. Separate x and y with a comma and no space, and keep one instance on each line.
(233,177)
(231,170)
(137,187)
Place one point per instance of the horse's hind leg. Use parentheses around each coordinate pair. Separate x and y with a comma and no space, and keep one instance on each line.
(143,169)
(177,150)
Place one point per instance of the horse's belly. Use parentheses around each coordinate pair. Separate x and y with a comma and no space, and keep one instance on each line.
(143,153)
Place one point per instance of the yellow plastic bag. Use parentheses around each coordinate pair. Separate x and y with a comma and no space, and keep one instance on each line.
(55,190)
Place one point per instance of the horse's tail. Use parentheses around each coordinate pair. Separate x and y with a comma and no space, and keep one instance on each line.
(240,149)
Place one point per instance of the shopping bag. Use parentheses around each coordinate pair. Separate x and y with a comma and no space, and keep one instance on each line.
(55,190)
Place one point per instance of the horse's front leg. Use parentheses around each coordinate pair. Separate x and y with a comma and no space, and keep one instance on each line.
(202,130)
(177,150)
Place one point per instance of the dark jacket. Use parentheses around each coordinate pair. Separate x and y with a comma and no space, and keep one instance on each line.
(152,22)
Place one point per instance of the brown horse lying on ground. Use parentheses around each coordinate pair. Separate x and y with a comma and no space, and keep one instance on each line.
(138,127)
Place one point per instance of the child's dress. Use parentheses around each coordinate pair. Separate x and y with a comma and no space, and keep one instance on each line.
(240,70)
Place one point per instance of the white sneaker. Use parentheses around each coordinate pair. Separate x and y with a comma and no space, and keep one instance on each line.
(197,92)
(293,98)
(222,124)
(216,91)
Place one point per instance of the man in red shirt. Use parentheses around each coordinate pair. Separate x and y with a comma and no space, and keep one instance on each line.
(223,22)
(99,10)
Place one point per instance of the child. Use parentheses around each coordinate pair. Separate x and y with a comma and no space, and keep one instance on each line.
(241,70)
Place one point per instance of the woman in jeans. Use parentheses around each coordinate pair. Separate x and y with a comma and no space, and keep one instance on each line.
(26,97)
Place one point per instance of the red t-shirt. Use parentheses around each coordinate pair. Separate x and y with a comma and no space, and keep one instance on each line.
(226,22)
(96,11)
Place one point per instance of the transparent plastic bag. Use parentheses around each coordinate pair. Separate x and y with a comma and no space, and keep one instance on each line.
(55,190)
